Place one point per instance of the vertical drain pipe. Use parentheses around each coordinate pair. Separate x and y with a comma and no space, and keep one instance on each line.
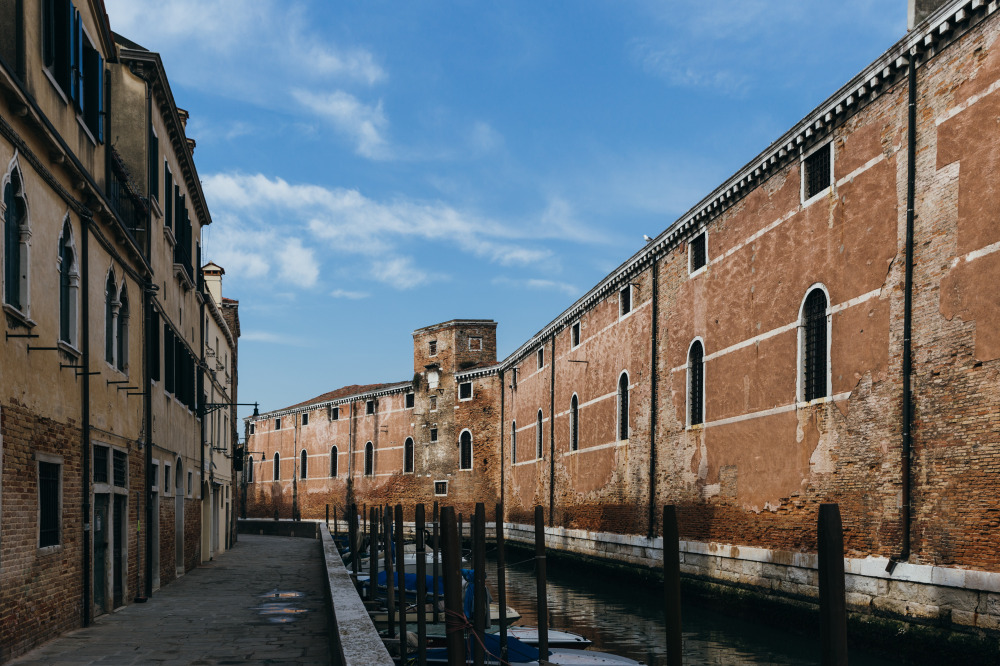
(85,434)
(503,392)
(911,173)
(552,435)
(651,529)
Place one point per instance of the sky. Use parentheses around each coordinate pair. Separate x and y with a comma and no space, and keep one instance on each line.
(375,167)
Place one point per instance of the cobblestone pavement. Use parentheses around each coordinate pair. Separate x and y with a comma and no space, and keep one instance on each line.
(238,609)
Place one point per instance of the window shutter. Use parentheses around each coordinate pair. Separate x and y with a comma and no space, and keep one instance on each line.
(100,99)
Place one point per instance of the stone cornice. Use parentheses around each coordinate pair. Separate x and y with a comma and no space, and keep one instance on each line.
(402,387)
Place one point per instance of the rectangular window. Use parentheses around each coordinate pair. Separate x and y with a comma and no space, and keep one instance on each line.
(92,89)
(305,419)
(408,401)
(166,479)
(190,483)
(625,300)
(168,201)
(540,358)
(252,427)
(465,391)
(100,464)
(49,499)
(335,413)
(154,164)
(155,485)
(432,347)
(698,252)
(434,434)
(817,172)
(574,333)
(154,347)
(475,344)
(121,469)
(440,488)
(370,407)
(277,424)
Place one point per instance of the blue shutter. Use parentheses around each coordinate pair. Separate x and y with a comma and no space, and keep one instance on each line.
(71,80)
(100,99)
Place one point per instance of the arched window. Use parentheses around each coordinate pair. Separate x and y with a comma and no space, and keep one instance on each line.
(333,463)
(110,312)
(249,469)
(574,423)
(538,435)
(465,450)
(16,233)
(369,459)
(121,332)
(69,285)
(513,442)
(277,466)
(696,383)
(623,406)
(408,455)
(815,373)
(303,465)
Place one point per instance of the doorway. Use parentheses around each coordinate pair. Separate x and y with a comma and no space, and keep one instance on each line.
(154,529)
(179,517)
(101,540)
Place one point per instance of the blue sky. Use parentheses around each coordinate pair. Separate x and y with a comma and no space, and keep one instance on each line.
(375,167)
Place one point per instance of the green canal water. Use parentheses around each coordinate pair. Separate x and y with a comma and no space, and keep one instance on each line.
(624,615)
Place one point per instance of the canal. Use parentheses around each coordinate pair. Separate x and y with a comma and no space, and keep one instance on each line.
(624,615)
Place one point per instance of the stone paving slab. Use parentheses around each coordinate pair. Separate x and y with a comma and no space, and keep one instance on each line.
(233,610)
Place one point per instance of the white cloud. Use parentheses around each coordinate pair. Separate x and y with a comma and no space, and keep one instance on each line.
(350,295)
(298,265)
(539,284)
(275,338)
(362,123)
(402,273)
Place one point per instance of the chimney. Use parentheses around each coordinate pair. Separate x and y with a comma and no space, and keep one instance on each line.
(918,10)
(212,274)
(184,115)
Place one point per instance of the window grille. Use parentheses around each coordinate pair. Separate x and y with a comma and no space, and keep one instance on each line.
(513,442)
(303,465)
(538,435)
(575,334)
(465,443)
(369,459)
(335,413)
(48,504)
(541,359)
(121,469)
(408,404)
(815,343)
(440,488)
(334,463)
(65,293)
(408,455)
(432,347)
(370,407)
(817,168)
(699,251)
(100,464)
(625,300)
(305,418)
(623,407)
(696,383)
(465,391)
(574,424)
(434,434)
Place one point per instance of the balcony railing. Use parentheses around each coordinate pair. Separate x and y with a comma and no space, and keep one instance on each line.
(131,206)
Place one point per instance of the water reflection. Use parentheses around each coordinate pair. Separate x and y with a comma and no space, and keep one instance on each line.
(625,616)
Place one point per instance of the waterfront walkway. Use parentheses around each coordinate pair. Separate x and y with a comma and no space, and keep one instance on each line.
(261,603)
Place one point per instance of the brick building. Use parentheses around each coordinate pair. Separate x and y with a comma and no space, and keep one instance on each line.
(822,327)
(103,363)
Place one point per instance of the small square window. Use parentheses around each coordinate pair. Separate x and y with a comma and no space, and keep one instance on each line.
(475,344)
(277,424)
(440,488)
(574,334)
(335,413)
(698,252)
(465,391)
(540,358)
(816,173)
(305,418)
(434,434)
(408,401)
(434,403)
(432,347)
(625,300)
(370,407)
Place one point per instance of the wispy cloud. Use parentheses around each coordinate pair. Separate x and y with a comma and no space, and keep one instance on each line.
(539,285)
(270,337)
(403,273)
(362,123)
(349,295)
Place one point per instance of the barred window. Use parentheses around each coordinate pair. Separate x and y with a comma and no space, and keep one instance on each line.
(100,464)
(698,252)
(303,465)
(817,172)
(121,469)
(575,334)
(623,406)
(49,492)
(513,442)
(333,462)
(408,401)
(434,434)
(465,445)
(814,346)
(370,407)
(538,435)
(369,459)
(305,418)
(574,423)
(625,300)
(696,383)
(465,391)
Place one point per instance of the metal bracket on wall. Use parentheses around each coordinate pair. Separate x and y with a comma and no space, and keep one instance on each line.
(8,336)
(31,349)
(126,388)
(117,381)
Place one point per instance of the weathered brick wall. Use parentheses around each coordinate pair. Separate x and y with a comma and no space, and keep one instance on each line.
(42,591)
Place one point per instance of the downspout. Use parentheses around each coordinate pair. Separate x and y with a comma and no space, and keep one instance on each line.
(350,458)
(147,399)
(199,398)
(651,528)
(503,392)
(552,436)
(295,463)
(911,172)
(85,434)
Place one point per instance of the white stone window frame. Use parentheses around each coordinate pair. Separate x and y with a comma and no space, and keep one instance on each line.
(575,334)
(433,434)
(800,375)
(276,466)
(155,485)
(303,465)
(432,348)
(471,391)
(334,470)
(370,473)
(52,459)
(471,449)
(277,423)
(687,384)
(24,313)
(305,419)
(409,400)
(539,435)
(369,407)
(692,271)
(71,345)
(478,346)
(413,452)
(574,424)
(334,413)
(803,176)
(167,479)
(631,301)
(540,358)
(445,493)
(618,407)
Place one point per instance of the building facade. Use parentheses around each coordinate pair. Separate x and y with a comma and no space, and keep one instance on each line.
(104,452)
(820,328)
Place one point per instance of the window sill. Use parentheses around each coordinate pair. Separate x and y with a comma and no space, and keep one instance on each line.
(86,130)
(49,550)
(168,234)
(55,85)
(69,349)
(182,277)
(701,270)
(16,318)
(826,191)
(154,203)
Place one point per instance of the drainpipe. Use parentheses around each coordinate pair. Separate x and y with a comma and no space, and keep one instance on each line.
(85,398)
(911,171)
(651,528)
(295,463)
(147,401)
(350,458)
(503,392)
(199,399)
(552,436)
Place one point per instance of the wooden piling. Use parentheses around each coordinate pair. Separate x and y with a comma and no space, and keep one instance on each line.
(479,605)
(418,520)
(543,604)
(336,525)
(454,619)
(400,577)
(372,553)
(672,584)
(328,516)
(390,593)
(437,563)
(832,603)
(501,583)
(352,528)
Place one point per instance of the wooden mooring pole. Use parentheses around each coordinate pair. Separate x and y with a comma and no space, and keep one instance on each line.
(501,584)
(352,530)
(479,605)
(372,553)
(400,579)
(390,593)
(437,563)
(543,604)
(418,520)
(454,618)
(832,603)
(672,584)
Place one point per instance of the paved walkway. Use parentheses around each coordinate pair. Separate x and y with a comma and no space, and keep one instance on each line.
(234,610)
